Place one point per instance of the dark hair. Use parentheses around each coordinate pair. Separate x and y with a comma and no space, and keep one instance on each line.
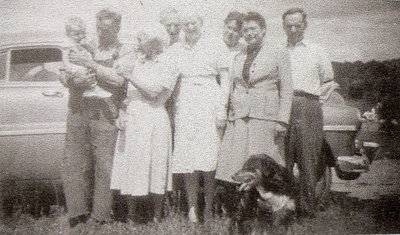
(234,15)
(114,16)
(256,17)
(295,10)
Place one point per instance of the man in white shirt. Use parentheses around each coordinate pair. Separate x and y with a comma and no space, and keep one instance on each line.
(170,19)
(310,69)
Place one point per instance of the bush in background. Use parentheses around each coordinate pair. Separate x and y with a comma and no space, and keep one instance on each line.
(374,82)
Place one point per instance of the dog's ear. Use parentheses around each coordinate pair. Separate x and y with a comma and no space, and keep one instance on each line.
(269,167)
(284,174)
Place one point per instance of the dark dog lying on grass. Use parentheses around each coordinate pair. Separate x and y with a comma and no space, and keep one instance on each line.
(267,205)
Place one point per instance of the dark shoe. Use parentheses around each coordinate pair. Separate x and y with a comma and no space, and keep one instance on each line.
(301,213)
(74,221)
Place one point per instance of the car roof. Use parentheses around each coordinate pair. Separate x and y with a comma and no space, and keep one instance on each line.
(27,39)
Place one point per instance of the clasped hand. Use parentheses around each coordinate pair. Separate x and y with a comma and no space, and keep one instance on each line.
(220,123)
(81,58)
(121,120)
(280,131)
(83,80)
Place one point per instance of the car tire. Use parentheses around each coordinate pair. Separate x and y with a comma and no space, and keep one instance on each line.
(346,175)
(7,201)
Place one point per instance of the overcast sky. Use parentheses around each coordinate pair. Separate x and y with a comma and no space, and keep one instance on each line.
(350,30)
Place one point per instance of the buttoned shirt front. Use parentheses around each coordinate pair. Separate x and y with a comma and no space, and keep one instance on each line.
(203,60)
(310,67)
(199,66)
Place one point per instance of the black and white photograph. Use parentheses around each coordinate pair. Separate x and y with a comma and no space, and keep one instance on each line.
(199,117)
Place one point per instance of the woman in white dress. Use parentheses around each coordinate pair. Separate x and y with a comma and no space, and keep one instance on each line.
(143,150)
(200,106)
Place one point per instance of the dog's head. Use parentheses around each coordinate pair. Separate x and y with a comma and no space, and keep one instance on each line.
(267,188)
(262,170)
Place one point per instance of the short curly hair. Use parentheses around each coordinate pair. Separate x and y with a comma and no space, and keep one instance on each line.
(186,15)
(234,15)
(256,17)
(75,21)
(110,14)
(295,10)
(168,12)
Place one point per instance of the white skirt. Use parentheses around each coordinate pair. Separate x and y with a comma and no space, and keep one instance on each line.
(196,140)
(143,151)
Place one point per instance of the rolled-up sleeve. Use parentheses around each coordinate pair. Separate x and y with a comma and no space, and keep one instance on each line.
(325,66)
(124,65)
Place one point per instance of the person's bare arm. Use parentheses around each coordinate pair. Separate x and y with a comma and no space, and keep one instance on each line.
(149,92)
(106,74)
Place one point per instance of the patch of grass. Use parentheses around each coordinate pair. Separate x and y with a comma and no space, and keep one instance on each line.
(337,219)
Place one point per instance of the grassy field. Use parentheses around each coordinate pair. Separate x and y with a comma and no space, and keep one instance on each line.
(344,216)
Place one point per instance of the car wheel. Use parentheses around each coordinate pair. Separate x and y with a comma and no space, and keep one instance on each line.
(346,175)
(8,197)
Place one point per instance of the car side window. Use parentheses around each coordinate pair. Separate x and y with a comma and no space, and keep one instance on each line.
(35,65)
(3,65)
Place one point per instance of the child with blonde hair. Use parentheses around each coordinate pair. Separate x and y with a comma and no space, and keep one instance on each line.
(75,29)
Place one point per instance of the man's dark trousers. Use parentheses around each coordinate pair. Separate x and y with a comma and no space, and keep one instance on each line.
(304,143)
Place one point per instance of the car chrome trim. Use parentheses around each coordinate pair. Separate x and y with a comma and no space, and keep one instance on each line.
(28,45)
(8,65)
(33,129)
(33,132)
(355,163)
(15,84)
(340,128)
(370,144)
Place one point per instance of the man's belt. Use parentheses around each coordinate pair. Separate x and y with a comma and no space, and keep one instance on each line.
(259,80)
(305,95)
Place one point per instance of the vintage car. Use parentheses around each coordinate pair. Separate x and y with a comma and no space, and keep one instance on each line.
(345,134)
(33,114)
(32,119)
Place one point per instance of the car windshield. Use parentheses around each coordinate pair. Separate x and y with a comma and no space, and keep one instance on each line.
(35,65)
(335,99)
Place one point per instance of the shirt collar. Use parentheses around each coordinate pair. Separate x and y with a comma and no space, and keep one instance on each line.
(238,47)
(298,44)
(188,47)
(258,49)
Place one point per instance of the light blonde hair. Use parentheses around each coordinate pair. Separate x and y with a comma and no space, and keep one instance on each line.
(188,15)
(75,21)
(167,13)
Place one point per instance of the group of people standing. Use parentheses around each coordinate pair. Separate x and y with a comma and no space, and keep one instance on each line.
(190,106)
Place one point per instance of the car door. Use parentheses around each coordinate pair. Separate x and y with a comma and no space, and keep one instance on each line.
(33,112)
